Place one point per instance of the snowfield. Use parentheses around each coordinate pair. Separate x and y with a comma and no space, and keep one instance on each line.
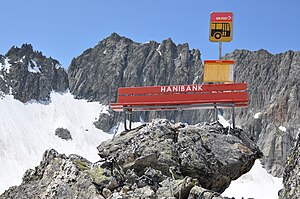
(27,130)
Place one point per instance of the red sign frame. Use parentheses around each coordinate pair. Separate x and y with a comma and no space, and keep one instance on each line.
(221,16)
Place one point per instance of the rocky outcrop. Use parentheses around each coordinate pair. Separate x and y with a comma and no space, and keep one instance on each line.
(291,179)
(57,176)
(208,153)
(158,160)
(106,121)
(274,92)
(29,75)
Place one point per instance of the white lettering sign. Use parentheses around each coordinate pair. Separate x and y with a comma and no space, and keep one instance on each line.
(181,88)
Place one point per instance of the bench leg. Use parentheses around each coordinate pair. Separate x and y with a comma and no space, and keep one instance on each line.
(125,120)
(129,118)
(216,113)
(233,116)
(127,114)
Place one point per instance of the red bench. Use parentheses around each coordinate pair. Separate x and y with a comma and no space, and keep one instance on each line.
(182,97)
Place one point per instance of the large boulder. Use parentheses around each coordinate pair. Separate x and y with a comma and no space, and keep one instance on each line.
(63,134)
(209,153)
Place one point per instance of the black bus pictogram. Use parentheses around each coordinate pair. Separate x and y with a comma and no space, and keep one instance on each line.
(219,30)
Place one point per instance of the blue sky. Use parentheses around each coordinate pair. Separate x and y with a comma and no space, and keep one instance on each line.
(63,29)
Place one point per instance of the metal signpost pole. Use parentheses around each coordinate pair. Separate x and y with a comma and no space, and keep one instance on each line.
(220,56)
(220,50)
(220,31)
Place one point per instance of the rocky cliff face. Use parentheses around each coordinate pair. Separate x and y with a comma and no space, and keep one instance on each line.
(28,75)
(291,180)
(157,160)
(274,111)
(118,61)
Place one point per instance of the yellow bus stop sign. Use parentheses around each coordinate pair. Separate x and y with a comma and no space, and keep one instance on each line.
(218,71)
(220,26)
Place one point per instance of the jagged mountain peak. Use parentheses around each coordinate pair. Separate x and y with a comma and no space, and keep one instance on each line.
(168,41)
(29,75)
(118,61)
(25,50)
(115,35)
(115,38)
(258,53)
(27,47)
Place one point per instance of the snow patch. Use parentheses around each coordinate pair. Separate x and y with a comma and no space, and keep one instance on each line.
(256,115)
(222,121)
(257,183)
(195,79)
(21,60)
(6,65)
(104,109)
(158,49)
(58,66)
(10,90)
(120,127)
(282,128)
(35,68)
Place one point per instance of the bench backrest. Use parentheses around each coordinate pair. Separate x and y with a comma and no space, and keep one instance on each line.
(184,94)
